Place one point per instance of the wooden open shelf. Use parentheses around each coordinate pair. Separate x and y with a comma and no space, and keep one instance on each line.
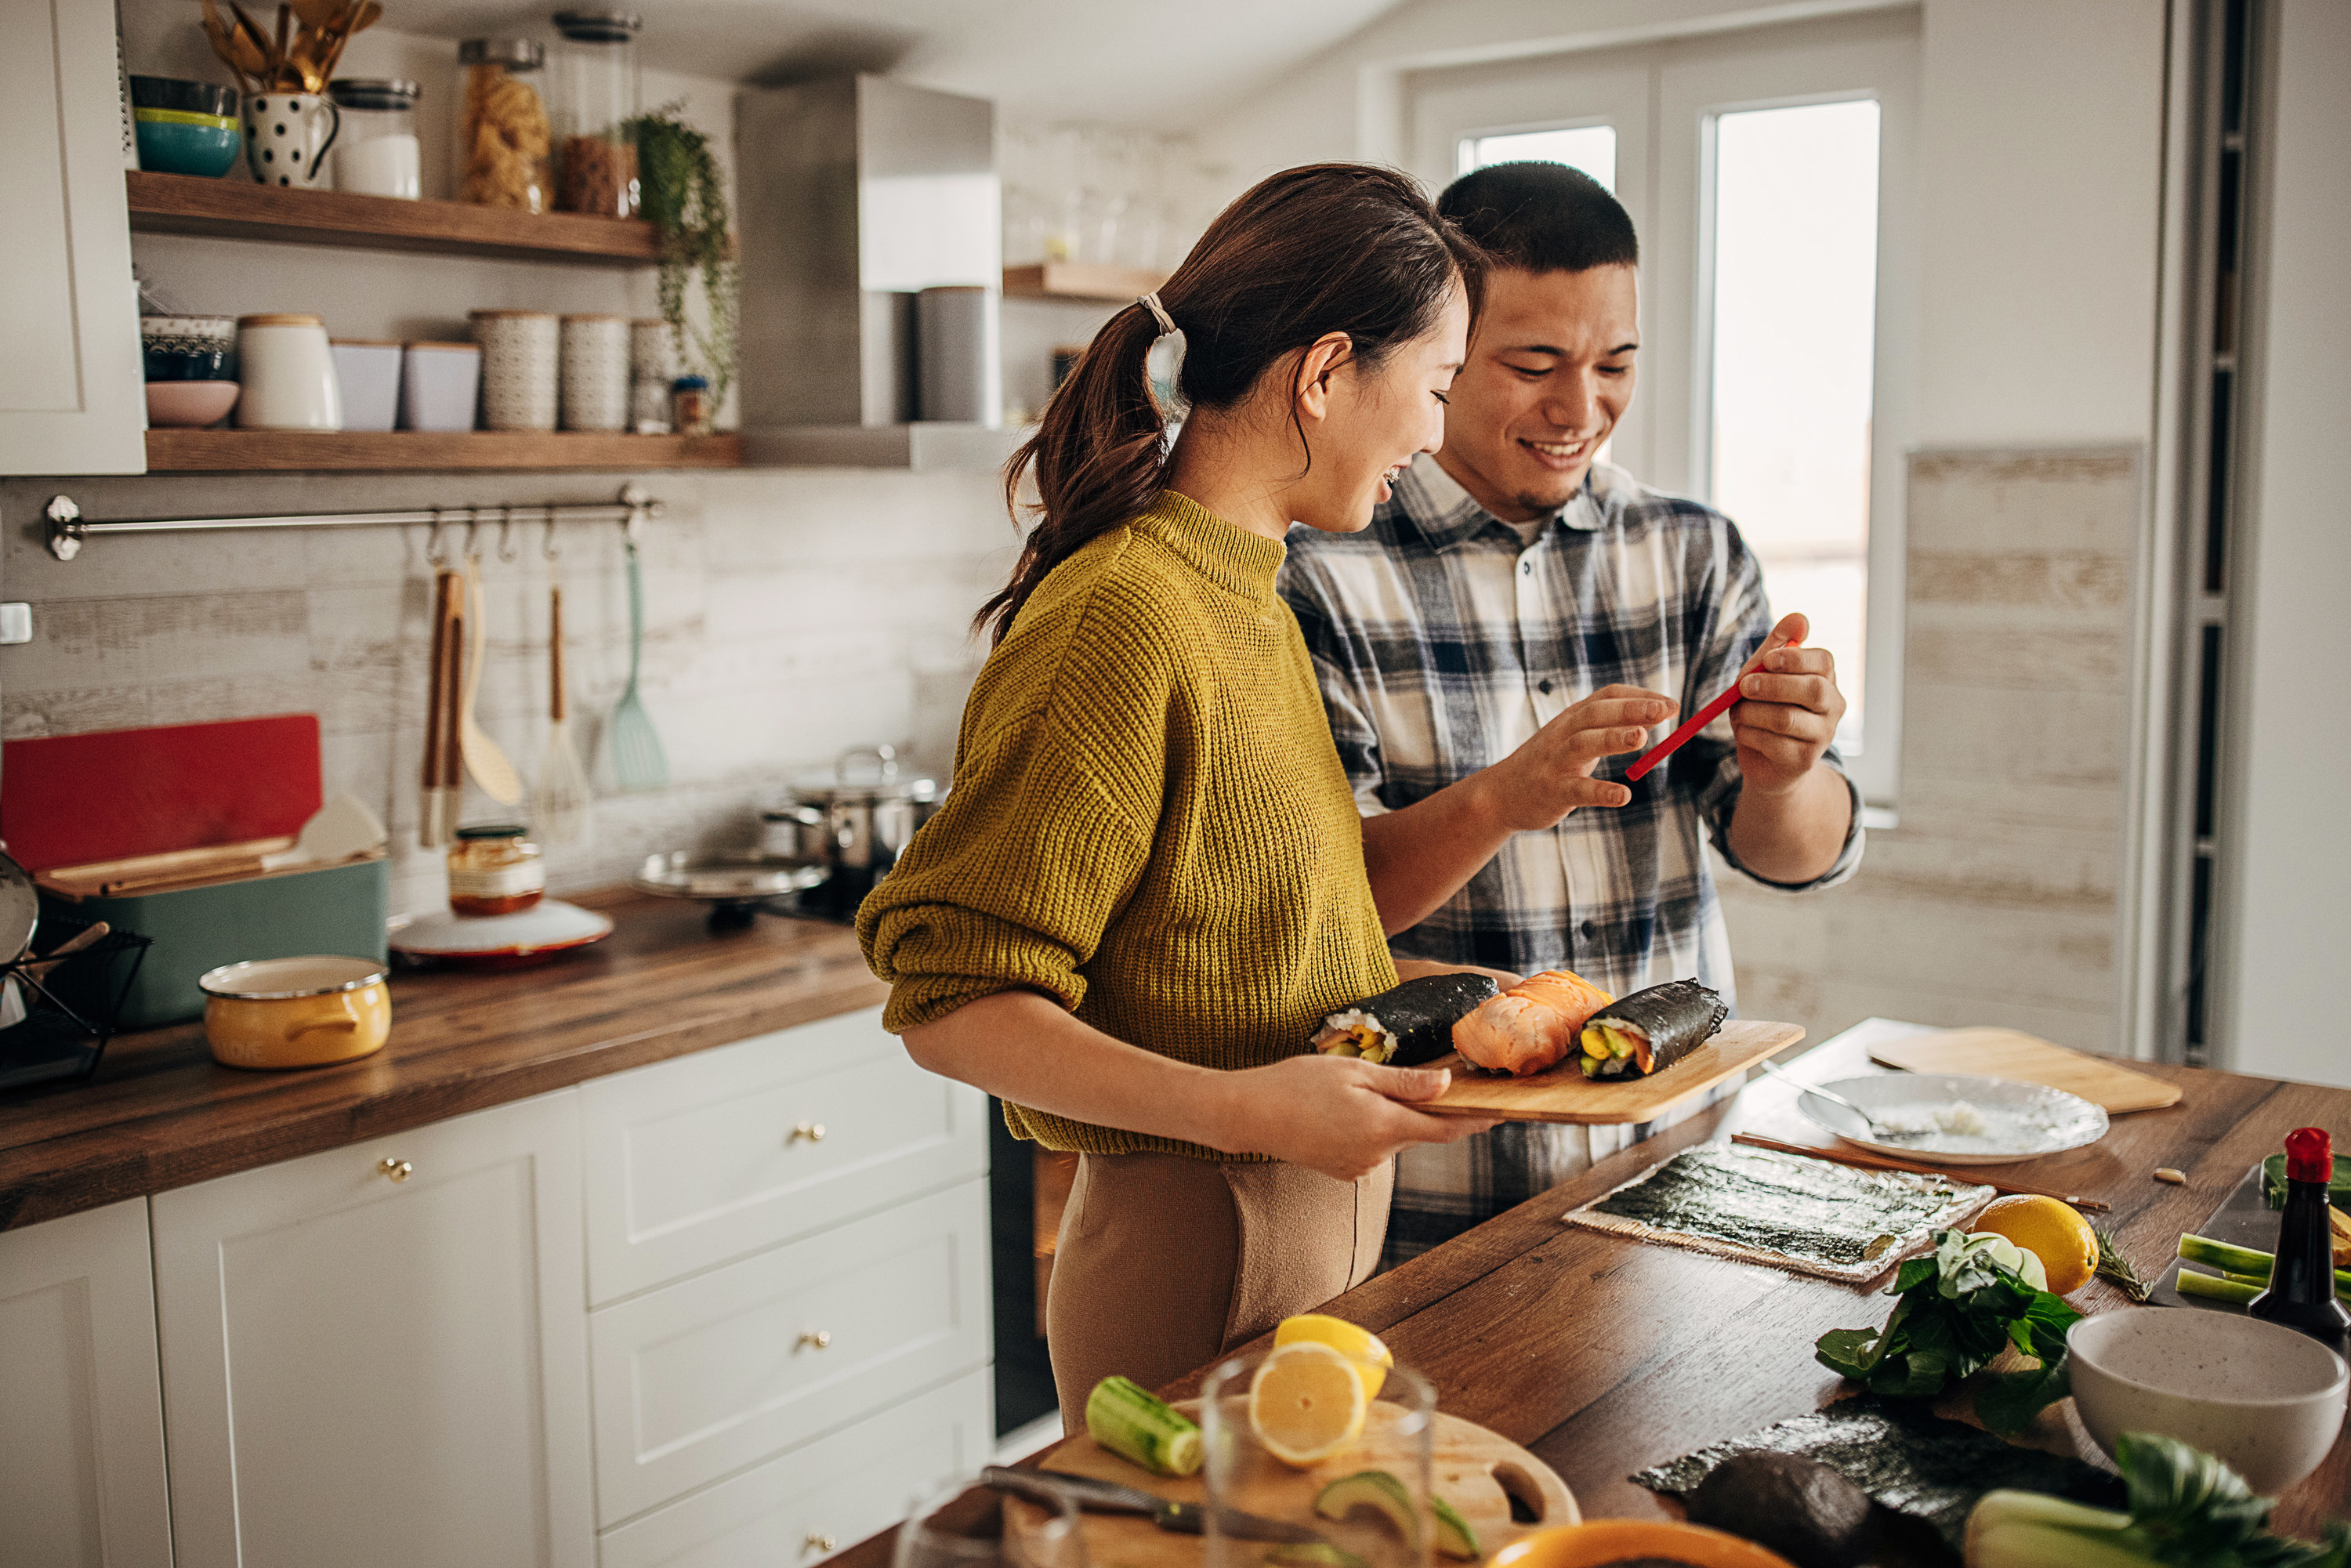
(247,451)
(235,208)
(1081,280)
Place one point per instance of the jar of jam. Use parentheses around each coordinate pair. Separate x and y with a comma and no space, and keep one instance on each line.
(495,870)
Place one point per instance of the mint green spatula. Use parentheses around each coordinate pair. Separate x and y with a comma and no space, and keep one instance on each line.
(638,760)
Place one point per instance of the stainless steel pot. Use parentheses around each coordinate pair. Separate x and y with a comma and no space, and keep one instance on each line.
(855,819)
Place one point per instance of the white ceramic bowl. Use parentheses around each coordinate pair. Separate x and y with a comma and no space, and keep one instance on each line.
(2264,1400)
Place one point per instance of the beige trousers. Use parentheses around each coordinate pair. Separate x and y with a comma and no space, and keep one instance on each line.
(1165,1262)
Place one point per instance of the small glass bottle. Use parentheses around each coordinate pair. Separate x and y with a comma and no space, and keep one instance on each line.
(689,402)
(500,155)
(2300,1295)
(495,870)
(596,102)
(376,152)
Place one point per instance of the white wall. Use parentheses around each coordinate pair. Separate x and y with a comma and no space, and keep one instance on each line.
(2291,849)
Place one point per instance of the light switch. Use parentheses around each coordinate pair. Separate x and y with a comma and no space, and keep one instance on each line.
(16,623)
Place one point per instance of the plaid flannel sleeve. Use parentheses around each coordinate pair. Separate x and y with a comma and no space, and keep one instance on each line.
(1738,620)
(1340,672)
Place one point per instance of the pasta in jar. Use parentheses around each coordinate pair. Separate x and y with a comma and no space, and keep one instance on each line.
(503,139)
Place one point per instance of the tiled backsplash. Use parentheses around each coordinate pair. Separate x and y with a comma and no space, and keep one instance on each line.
(790,615)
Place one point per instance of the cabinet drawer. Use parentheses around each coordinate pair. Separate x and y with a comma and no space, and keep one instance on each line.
(721,1154)
(699,1379)
(802,1507)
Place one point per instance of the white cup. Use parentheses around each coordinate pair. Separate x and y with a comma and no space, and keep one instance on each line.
(287,136)
(288,373)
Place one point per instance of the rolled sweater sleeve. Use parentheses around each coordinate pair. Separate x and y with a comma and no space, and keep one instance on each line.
(1011,883)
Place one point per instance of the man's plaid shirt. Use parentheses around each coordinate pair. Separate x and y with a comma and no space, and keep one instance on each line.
(1443,641)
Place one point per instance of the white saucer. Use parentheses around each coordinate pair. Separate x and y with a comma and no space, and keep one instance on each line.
(547,927)
(2020,1121)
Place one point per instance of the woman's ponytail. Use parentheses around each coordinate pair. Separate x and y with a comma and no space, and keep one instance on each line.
(1327,247)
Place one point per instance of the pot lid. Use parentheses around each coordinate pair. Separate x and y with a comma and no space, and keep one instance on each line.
(867,775)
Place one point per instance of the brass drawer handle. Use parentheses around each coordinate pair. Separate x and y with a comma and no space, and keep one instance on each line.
(816,1542)
(395,1170)
(820,1338)
(812,1131)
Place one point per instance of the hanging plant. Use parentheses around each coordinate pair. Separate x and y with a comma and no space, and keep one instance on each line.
(684,195)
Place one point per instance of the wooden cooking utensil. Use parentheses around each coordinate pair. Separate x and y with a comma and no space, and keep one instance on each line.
(483,759)
(1868,1161)
(436,814)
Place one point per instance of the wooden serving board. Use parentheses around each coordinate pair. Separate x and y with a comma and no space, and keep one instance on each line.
(1474,1469)
(1565,1095)
(2021,1058)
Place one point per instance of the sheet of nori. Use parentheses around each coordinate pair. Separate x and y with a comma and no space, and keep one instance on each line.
(1421,1013)
(1904,1456)
(1678,1017)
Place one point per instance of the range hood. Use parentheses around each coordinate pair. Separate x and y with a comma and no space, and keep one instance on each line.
(856,193)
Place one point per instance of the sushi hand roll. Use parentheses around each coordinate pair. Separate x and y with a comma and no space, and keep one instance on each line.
(1407,1025)
(1531,1026)
(1650,1030)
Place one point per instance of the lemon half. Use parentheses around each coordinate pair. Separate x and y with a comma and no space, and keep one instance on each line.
(1306,1403)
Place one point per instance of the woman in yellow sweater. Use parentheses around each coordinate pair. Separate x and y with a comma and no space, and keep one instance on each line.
(1146,886)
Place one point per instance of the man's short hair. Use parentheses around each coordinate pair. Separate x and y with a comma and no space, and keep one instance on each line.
(1541,216)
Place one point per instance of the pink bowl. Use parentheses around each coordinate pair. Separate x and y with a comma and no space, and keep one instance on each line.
(189,405)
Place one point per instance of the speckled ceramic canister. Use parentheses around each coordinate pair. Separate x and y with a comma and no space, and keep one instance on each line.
(595,354)
(518,368)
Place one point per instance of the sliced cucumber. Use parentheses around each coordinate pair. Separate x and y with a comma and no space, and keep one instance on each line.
(1375,1489)
(1135,1424)
(1454,1537)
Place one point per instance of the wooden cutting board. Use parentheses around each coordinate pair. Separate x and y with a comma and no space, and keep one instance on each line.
(2007,1053)
(1565,1095)
(1474,1469)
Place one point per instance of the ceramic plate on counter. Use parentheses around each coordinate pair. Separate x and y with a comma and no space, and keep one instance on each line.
(498,941)
(1958,1119)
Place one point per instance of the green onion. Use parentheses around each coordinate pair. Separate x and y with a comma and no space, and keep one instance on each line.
(2214,1288)
(2244,1262)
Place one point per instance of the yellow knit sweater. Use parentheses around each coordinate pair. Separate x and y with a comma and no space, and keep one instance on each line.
(1149,823)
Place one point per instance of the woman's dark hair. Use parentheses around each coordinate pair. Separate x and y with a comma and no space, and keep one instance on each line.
(1325,247)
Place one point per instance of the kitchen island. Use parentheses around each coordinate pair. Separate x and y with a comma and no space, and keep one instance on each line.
(1604,1355)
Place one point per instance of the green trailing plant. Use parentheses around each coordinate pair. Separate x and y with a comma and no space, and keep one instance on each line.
(683,194)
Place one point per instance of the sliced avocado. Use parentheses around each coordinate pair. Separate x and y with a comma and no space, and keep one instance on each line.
(1375,1489)
(1311,1554)
(1592,1065)
(1454,1536)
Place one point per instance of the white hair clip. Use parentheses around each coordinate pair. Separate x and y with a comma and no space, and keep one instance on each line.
(1163,366)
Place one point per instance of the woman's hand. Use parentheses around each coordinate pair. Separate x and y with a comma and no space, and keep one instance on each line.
(1339,1115)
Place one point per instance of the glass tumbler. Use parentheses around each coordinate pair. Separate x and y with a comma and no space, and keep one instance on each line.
(964,1525)
(1388,1522)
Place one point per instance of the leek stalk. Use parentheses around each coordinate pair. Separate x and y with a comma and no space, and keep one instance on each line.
(2244,1262)
(2213,1288)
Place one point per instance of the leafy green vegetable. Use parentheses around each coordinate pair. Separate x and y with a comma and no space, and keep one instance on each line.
(1956,1309)
(2187,1509)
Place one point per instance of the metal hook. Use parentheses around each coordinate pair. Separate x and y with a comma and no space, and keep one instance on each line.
(473,528)
(506,551)
(548,549)
(434,556)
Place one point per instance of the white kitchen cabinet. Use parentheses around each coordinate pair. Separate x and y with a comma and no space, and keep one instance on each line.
(81,1411)
(376,1355)
(726,1368)
(713,1156)
(72,397)
(796,1510)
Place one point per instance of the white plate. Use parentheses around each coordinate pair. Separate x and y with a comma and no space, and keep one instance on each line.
(551,926)
(2022,1121)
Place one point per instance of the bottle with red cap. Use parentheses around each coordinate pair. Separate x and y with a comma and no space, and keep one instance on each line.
(2302,1282)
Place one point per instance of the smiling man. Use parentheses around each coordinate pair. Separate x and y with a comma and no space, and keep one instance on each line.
(1518,619)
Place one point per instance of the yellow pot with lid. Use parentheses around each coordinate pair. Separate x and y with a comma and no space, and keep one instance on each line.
(295,1013)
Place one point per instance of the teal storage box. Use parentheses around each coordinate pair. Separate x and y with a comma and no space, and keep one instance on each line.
(341,909)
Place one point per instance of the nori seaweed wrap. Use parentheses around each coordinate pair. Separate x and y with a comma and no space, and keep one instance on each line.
(1407,1025)
(1650,1030)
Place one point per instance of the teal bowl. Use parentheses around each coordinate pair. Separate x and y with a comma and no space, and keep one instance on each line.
(186,141)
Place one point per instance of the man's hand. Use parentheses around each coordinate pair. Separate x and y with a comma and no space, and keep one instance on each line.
(1787,714)
(1550,775)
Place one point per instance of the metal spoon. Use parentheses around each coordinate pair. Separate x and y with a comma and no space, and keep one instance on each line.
(1886,1134)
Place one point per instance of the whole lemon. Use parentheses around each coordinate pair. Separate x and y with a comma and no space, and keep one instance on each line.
(2050,1230)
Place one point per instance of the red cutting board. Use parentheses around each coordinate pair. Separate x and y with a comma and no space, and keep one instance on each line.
(69,799)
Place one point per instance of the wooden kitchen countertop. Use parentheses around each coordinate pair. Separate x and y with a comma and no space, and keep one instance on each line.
(161,1113)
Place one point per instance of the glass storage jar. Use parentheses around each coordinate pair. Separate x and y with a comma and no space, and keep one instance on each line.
(595,101)
(495,870)
(503,142)
(375,154)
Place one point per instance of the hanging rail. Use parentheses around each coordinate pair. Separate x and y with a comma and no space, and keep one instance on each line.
(69,528)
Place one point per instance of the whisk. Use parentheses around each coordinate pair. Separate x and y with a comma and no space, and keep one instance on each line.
(560,800)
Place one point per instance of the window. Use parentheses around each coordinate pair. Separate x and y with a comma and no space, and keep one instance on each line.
(1591,148)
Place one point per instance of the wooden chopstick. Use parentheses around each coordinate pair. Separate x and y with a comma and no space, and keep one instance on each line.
(1878,1162)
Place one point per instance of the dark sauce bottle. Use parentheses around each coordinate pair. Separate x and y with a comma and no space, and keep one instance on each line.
(2302,1284)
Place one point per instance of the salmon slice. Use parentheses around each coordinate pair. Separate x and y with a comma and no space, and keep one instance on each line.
(1532,1026)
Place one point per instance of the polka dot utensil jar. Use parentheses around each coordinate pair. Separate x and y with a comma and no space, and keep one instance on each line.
(518,368)
(287,135)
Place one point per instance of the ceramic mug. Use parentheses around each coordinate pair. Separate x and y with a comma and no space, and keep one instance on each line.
(295,1013)
(287,135)
(288,373)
